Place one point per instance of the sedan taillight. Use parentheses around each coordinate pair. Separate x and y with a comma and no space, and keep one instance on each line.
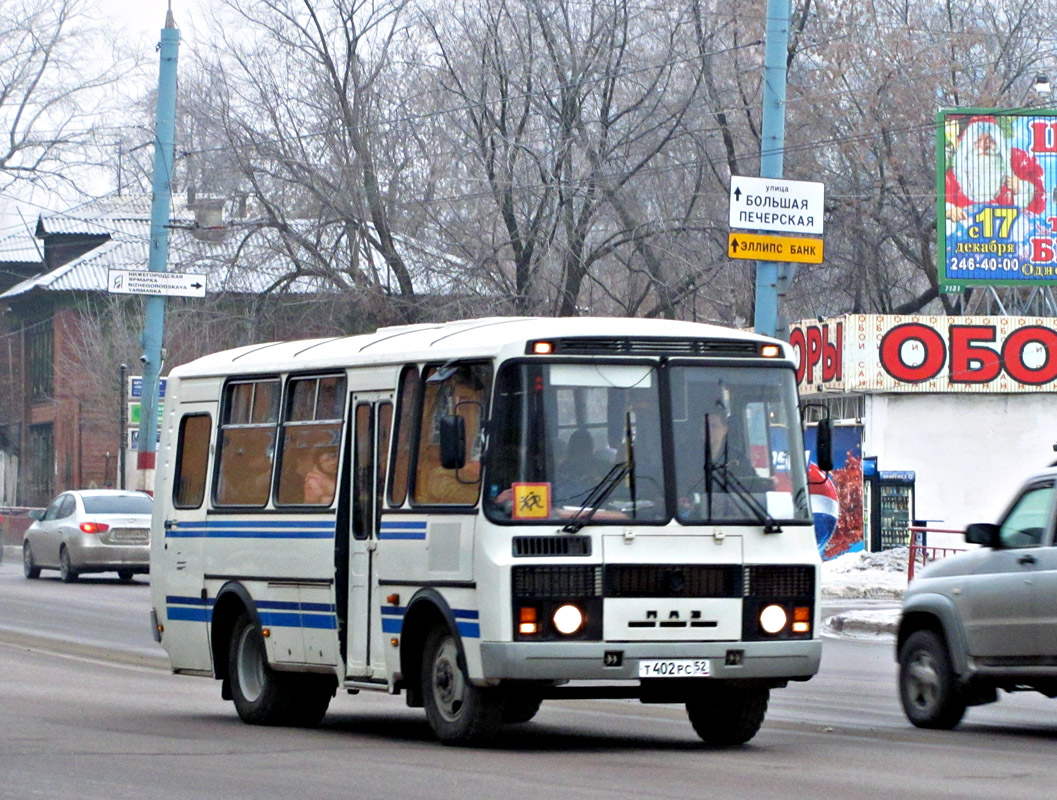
(94,527)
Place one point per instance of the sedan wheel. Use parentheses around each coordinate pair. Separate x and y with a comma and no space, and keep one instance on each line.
(66,571)
(29,567)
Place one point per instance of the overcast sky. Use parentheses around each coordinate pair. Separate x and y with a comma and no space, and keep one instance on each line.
(140,23)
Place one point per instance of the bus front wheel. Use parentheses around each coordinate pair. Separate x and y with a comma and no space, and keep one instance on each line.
(458,712)
(255,688)
(725,717)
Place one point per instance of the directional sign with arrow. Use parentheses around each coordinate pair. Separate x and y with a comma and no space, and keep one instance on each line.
(773,204)
(761,247)
(140,281)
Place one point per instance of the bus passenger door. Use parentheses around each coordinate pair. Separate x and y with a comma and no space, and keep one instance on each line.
(372,415)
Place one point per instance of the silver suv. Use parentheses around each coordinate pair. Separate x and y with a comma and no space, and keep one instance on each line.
(985,619)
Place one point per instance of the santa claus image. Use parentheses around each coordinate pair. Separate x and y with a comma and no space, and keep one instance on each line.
(986,170)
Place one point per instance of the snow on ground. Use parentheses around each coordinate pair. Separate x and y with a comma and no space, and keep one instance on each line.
(877,580)
(875,576)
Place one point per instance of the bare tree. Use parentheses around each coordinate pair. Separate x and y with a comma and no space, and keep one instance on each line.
(53,86)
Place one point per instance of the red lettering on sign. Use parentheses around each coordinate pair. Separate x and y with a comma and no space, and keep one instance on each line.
(891,352)
(1013,355)
(796,341)
(970,361)
(1041,250)
(1043,137)
(816,350)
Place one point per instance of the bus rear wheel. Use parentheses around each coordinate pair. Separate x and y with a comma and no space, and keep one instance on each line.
(458,712)
(725,717)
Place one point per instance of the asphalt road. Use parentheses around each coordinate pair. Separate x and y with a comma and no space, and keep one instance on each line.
(88,710)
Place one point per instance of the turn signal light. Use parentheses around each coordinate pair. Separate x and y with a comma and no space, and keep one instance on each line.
(94,527)
(801,619)
(527,622)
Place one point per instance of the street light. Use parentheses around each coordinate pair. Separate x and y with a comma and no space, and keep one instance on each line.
(1042,86)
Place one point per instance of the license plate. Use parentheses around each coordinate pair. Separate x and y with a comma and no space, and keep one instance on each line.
(675,668)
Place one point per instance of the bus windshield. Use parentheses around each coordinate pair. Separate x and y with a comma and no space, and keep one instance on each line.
(611,443)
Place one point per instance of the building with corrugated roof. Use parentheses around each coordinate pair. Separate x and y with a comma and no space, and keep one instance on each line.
(61,425)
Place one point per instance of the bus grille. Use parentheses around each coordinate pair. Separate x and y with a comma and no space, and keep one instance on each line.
(662,580)
(775,580)
(543,582)
(526,546)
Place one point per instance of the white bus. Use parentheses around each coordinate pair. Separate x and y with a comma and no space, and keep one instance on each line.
(487,514)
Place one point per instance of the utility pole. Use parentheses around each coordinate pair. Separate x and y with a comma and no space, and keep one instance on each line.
(154,317)
(773,279)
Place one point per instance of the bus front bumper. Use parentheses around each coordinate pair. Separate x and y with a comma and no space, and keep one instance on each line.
(560,661)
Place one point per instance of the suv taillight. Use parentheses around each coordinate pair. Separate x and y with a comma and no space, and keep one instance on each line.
(94,527)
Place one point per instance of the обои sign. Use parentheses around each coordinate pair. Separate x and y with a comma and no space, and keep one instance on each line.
(878,353)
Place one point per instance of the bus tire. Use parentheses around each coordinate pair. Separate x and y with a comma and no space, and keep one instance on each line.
(521,707)
(309,699)
(725,717)
(458,712)
(256,689)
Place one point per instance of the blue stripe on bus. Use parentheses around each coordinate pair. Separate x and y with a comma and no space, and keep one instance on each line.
(393,621)
(251,531)
(188,601)
(277,619)
(189,614)
(402,529)
(469,630)
(266,523)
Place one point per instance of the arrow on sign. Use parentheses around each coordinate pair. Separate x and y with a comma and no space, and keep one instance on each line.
(737,193)
(734,245)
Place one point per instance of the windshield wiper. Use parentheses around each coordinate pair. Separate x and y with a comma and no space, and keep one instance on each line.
(720,474)
(597,496)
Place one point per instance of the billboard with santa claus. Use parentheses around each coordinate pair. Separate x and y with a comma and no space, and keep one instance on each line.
(997,183)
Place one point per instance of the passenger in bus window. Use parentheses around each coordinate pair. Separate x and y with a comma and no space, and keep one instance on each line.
(321,479)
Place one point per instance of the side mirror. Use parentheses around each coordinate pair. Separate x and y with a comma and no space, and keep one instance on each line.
(824,446)
(452,441)
(36,513)
(985,533)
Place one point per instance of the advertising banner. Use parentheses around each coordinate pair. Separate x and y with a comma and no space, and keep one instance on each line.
(837,498)
(927,354)
(997,212)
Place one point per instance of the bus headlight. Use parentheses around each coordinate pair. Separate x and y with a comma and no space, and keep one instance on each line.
(568,619)
(773,618)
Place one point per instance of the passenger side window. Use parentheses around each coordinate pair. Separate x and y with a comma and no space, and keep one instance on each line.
(192,458)
(1027,523)
(405,431)
(311,433)
(460,390)
(247,443)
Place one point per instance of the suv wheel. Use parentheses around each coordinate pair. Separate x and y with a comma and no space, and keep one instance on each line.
(928,687)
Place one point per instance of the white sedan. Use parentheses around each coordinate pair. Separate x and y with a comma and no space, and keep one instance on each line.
(91,530)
